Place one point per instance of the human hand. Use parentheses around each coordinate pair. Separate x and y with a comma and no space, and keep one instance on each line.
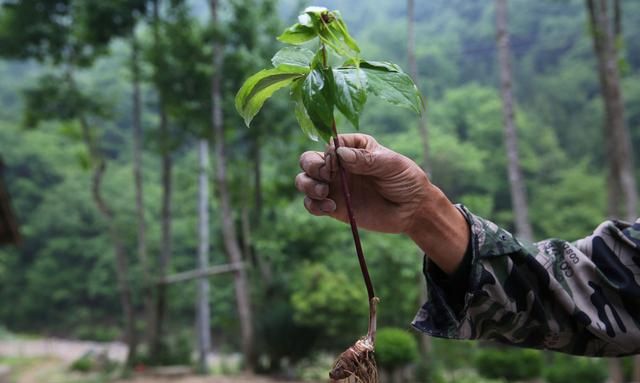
(389,192)
(386,187)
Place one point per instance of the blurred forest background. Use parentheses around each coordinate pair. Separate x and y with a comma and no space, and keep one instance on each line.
(105,134)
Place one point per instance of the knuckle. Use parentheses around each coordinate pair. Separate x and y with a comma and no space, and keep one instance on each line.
(368,158)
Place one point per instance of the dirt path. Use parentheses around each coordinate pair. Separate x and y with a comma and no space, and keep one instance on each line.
(66,350)
(54,356)
(38,372)
(202,379)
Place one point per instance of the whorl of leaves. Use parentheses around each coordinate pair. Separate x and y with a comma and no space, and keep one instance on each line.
(318,89)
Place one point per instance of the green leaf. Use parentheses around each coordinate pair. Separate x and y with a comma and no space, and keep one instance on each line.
(294,56)
(297,34)
(259,87)
(318,60)
(381,65)
(350,92)
(388,82)
(301,113)
(318,101)
(341,27)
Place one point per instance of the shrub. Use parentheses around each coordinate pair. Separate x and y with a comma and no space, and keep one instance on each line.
(429,371)
(94,362)
(175,349)
(83,364)
(511,364)
(576,369)
(395,348)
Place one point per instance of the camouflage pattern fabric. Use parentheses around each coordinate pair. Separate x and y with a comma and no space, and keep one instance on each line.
(580,298)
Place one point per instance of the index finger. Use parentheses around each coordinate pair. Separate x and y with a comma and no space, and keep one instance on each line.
(354,140)
(317,165)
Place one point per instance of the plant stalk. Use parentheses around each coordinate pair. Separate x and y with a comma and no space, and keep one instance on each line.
(352,220)
(347,198)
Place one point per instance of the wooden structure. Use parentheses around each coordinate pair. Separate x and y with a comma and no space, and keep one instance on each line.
(8,224)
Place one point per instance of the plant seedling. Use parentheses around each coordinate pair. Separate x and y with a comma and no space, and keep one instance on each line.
(332,77)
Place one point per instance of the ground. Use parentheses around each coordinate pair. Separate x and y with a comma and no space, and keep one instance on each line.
(209,379)
(47,361)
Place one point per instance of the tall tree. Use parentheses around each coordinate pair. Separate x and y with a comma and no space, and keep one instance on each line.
(516,182)
(230,238)
(622,201)
(136,130)
(178,58)
(203,322)
(252,20)
(159,63)
(413,71)
(99,165)
(425,341)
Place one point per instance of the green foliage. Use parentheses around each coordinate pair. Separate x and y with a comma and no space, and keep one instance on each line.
(259,87)
(575,369)
(395,347)
(93,362)
(179,68)
(318,100)
(55,98)
(176,349)
(388,82)
(324,87)
(91,332)
(518,364)
(328,299)
(350,90)
(82,364)
(64,31)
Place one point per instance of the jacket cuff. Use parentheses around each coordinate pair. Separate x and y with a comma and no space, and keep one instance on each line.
(449,296)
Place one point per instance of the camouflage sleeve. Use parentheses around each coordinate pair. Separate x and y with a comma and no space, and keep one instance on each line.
(581,298)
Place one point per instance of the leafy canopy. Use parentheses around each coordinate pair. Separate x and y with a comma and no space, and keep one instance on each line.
(316,88)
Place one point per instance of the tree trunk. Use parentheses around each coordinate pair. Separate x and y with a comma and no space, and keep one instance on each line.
(262,265)
(202,306)
(425,341)
(622,190)
(257,177)
(413,71)
(254,221)
(516,182)
(166,244)
(616,374)
(147,295)
(228,228)
(122,266)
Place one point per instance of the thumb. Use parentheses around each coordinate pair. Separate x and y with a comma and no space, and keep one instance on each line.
(358,161)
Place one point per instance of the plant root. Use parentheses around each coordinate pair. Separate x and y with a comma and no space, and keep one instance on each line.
(358,364)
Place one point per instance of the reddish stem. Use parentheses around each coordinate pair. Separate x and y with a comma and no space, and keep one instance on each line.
(347,199)
(352,219)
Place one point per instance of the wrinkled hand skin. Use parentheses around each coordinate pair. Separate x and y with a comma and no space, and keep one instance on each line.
(387,188)
(389,192)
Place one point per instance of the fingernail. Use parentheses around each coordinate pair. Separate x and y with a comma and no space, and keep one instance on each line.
(346,155)
(328,206)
